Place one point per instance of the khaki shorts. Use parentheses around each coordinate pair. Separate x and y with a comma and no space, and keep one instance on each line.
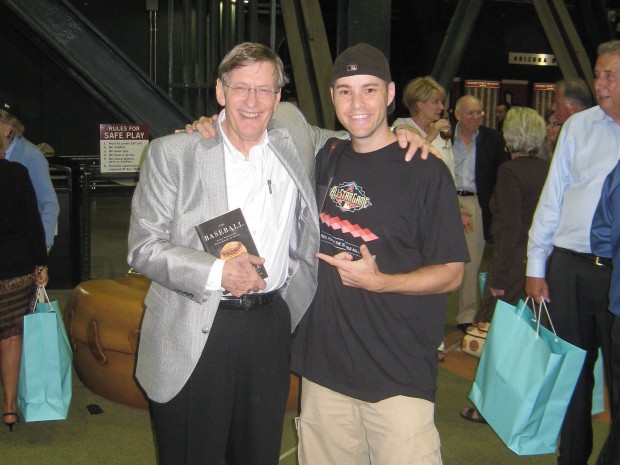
(335,429)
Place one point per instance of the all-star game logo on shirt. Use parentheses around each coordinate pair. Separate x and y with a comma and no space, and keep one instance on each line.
(349,197)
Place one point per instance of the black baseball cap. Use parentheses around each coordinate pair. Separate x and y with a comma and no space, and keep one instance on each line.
(363,59)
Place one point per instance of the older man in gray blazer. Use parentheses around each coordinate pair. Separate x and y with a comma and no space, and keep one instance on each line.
(215,366)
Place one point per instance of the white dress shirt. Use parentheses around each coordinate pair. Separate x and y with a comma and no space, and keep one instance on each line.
(587,150)
(266,194)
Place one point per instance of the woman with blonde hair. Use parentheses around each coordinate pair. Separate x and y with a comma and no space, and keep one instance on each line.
(424,98)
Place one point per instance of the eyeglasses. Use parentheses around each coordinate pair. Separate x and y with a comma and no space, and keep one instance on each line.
(554,124)
(475,113)
(263,93)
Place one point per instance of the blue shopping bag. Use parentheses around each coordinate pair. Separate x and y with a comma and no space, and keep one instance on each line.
(598,397)
(482,281)
(44,389)
(525,380)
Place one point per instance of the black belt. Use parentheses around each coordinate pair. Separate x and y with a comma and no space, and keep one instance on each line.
(248,301)
(591,258)
(465,193)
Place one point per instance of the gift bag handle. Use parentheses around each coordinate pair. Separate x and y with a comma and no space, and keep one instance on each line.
(527,299)
(542,305)
(538,314)
(46,299)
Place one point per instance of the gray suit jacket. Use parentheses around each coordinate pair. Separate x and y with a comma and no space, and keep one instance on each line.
(182,184)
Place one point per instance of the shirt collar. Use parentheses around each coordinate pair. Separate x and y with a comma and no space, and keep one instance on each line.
(458,137)
(231,149)
(9,150)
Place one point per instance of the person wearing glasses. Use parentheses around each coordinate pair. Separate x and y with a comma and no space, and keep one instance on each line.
(215,338)
(478,153)
(553,131)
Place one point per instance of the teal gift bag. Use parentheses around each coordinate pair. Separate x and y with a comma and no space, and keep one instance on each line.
(44,389)
(598,398)
(525,380)
(482,281)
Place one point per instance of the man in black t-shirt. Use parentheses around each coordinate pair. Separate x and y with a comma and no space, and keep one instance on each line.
(392,247)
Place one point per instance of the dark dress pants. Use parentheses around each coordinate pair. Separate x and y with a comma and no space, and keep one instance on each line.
(610,454)
(579,309)
(232,407)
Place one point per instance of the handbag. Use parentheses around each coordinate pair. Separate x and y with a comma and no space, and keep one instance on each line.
(474,339)
(44,388)
(525,379)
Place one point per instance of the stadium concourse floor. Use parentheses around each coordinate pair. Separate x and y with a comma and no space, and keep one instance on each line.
(122,435)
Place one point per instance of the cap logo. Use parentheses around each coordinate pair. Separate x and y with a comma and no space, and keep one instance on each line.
(351,68)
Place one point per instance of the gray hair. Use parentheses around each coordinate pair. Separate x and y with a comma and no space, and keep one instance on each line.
(576,91)
(524,130)
(613,46)
(459,102)
(247,53)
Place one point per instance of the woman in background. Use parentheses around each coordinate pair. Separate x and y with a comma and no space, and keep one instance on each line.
(519,184)
(424,99)
(20,150)
(23,266)
(553,131)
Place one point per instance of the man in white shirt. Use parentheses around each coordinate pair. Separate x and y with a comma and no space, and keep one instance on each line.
(574,282)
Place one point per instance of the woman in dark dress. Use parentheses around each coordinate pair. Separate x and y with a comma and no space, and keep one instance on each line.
(23,266)
(519,184)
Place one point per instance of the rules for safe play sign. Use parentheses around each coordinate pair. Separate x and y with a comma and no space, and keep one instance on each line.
(122,147)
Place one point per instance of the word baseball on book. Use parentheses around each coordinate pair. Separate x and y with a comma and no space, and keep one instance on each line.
(227,236)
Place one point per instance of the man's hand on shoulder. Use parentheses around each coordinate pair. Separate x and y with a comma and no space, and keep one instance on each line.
(408,138)
(204,125)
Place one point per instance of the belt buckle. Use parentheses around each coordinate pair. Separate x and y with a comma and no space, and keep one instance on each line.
(598,262)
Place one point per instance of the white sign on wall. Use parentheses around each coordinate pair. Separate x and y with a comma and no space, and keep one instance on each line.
(122,147)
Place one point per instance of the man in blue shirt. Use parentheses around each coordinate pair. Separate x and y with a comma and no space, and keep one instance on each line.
(20,150)
(605,240)
(478,153)
(575,282)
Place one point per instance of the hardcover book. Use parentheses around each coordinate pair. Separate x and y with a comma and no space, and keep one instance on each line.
(227,236)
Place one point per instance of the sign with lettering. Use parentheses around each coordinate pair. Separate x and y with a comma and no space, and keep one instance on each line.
(533,59)
(122,147)
(483,84)
(544,87)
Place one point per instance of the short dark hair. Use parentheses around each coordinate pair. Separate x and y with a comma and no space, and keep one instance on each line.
(504,104)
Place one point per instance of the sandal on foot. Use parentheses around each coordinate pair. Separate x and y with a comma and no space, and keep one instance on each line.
(472,414)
